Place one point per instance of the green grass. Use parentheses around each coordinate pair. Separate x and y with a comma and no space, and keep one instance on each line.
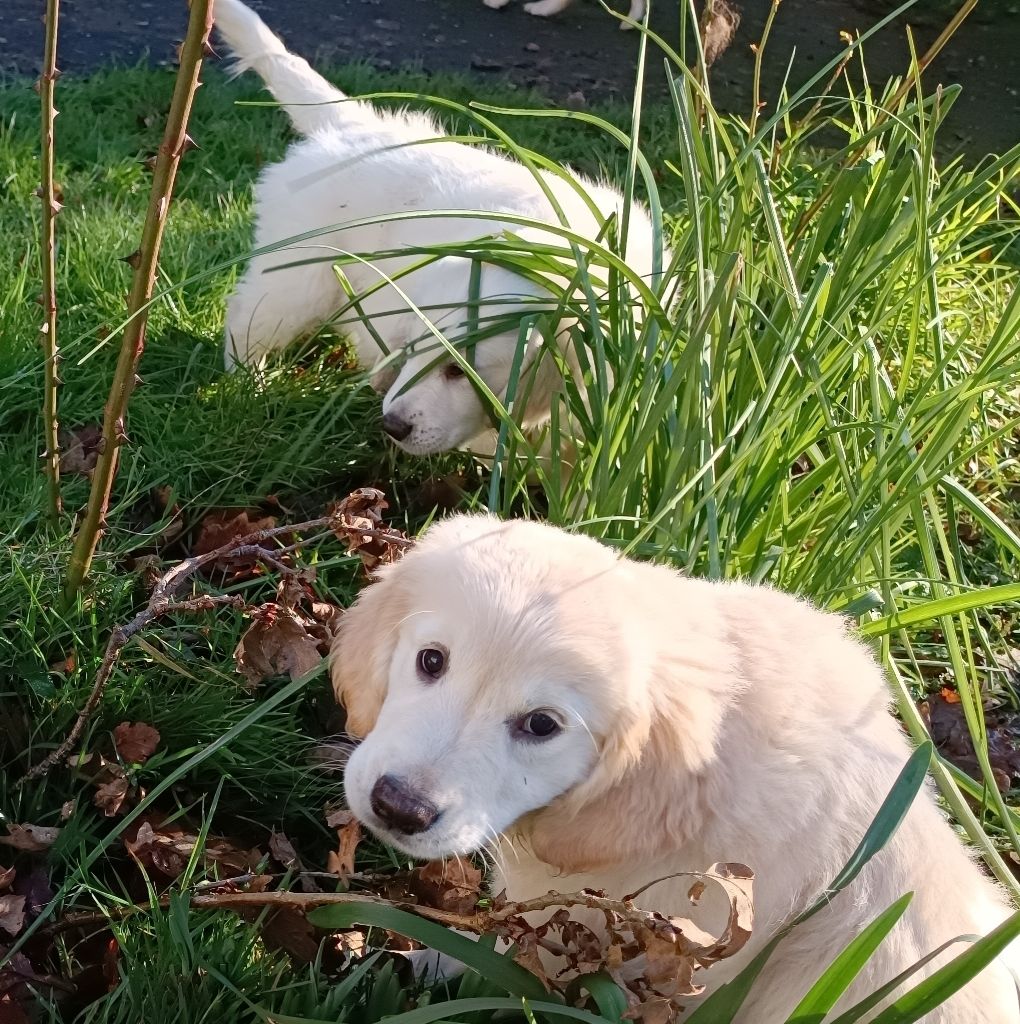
(833,410)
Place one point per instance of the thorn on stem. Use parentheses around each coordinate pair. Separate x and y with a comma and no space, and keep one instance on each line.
(132,259)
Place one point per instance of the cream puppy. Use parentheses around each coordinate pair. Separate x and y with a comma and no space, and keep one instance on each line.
(605,723)
(547,8)
(360,172)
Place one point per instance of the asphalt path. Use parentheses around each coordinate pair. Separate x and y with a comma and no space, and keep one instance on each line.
(578,57)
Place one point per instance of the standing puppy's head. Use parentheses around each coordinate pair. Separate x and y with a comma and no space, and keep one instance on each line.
(508,676)
(432,405)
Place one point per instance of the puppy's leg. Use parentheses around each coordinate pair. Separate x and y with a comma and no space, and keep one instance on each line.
(271,308)
(496,4)
(547,8)
(636,13)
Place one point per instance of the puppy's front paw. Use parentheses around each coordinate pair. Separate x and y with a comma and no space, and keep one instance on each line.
(495,4)
(547,8)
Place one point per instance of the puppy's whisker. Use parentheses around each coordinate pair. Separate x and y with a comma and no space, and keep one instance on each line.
(584,725)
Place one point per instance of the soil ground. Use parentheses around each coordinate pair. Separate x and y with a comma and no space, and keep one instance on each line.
(580,54)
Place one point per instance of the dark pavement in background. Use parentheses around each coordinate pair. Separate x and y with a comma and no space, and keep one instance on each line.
(580,54)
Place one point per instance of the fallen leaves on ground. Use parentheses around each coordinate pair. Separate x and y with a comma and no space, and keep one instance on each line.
(136,742)
(943,714)
(221,526)
(169,847)
(288,636)
(348,833)
(30,838)
(358,522)
(80,449)
(114,791)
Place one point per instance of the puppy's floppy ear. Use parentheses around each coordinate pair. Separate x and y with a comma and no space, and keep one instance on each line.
(657,776)
(360,656)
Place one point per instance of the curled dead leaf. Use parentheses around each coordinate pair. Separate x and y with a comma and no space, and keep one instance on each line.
(282,850)
(6,877)
(12,914)
(358,522)
(31,838)
(136,742)
(111,796)
(451,884)
(718,26)
(341,861)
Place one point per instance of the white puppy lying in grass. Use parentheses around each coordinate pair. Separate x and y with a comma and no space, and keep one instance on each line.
(365,171)
(611,723)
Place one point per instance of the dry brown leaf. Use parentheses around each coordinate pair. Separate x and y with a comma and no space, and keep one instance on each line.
(717,31)
(31,838)
(80,449)
(6,878)
(737,881)
(168,848)
(67,809)
(111,796)
(12,914)
(341,862)
(282,850)
(452,885)
(276,643)
(358,521)
(136,742)
(221,526)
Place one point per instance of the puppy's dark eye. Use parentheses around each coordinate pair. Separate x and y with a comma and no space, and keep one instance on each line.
(431,662)
(539,725)
(453,371)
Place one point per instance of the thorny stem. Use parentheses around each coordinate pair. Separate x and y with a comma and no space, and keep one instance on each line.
(859,148)
(759,52)
(48,254)
(144,261)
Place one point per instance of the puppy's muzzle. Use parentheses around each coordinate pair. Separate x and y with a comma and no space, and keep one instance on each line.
(399,807)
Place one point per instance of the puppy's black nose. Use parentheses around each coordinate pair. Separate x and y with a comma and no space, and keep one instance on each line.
(396,427)
(400,807)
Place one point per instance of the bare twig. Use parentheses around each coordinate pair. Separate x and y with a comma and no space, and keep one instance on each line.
(48,254)
(144,261)
(119,638)
(162,603)
(759,52)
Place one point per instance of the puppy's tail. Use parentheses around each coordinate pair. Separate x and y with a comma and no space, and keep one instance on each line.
(310,101)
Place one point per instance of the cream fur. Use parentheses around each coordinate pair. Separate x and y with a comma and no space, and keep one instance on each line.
(356,163)
(702,722)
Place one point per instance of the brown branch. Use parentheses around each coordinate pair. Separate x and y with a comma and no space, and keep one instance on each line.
(145,262)
(48,254)
(161,603)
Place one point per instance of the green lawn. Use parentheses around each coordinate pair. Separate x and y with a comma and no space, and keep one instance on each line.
(852,436)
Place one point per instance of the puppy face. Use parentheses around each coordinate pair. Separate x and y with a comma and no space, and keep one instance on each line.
(432,405)
(499,687)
